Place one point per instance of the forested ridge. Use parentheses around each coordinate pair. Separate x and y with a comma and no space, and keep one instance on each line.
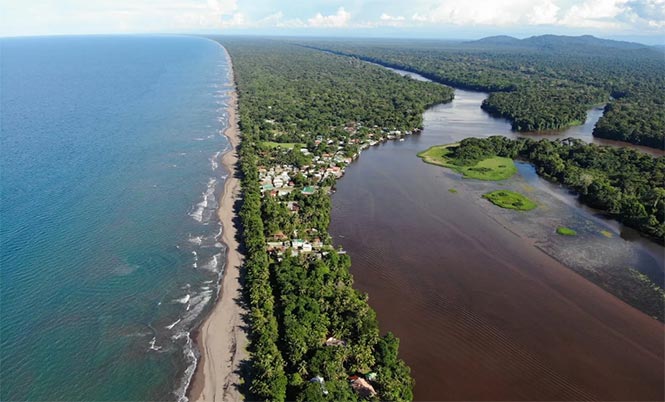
(313,336)
(541,83)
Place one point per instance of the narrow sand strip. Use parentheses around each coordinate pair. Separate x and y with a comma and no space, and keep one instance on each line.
(222,338)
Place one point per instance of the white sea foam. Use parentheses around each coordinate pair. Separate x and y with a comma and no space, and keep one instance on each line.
(192,360)
(196,305)
(183,300)
(174,324)
(213,161)
(199,214)
(153,344)
(213,264)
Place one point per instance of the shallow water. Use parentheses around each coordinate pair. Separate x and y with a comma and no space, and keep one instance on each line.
(109,184)
(482,312)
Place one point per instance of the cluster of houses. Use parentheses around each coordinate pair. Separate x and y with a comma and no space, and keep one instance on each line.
(280,244)
(278,181)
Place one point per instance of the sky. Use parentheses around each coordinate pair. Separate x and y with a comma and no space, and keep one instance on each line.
(640,20)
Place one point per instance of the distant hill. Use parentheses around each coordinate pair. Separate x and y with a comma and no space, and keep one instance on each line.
(556,42)
(497,40)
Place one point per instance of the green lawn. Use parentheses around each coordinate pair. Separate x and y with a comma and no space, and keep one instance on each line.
(510,200)
(495,168)
(562,230)
(287,145)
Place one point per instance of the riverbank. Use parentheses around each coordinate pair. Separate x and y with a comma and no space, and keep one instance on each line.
(468,289)
(222,338)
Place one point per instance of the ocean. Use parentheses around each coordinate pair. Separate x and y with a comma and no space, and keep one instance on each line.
(109,177)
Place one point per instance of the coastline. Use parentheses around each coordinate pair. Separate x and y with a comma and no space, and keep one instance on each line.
(222,337)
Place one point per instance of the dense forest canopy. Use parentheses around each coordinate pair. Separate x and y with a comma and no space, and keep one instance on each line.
(293,92)
(540,83)
(312,333)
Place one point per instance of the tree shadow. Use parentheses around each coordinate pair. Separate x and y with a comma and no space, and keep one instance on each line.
(244,370)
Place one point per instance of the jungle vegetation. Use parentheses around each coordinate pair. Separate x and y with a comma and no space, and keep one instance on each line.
(290,95)
(540,83)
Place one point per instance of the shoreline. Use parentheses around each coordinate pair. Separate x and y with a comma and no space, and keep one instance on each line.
(222,337)
(481,292)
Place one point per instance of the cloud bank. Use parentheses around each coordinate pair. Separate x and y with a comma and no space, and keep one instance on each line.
(85,16)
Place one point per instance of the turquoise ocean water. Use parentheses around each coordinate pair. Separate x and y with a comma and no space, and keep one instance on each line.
(108,185)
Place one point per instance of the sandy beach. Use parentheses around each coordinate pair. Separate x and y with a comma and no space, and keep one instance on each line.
(222,338)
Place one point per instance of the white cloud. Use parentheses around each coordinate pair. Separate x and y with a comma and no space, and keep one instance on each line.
(107,16)
(277,20)
(386,17)
(474,12)
(338,20)
(223,6)
(385,20)
(650,13)
(594,14)
(235,20)
(544,13)
(223,14)
(589,14)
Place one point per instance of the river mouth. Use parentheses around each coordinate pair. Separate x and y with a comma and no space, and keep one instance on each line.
(482,311)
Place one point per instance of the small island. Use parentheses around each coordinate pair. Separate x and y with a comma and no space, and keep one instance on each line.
(510,200)
(493,168)
(564,231)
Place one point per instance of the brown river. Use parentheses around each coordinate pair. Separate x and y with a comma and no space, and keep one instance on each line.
(484,300)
